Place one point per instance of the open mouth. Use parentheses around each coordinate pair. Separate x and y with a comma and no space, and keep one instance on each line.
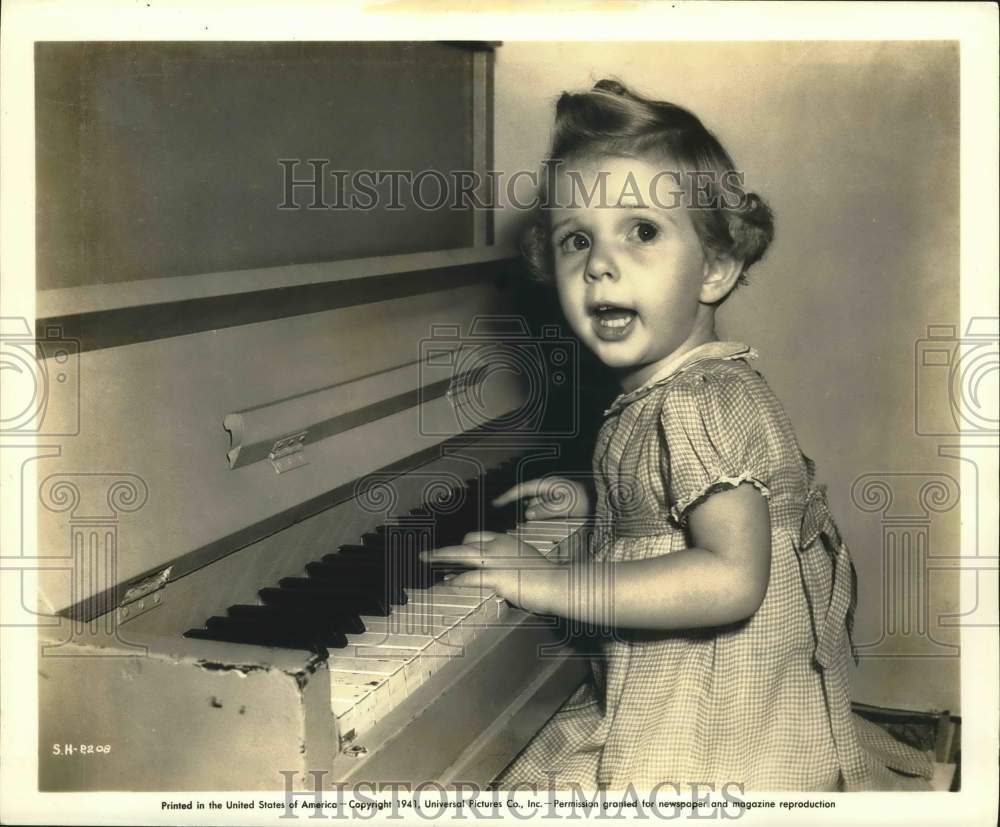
(612,322)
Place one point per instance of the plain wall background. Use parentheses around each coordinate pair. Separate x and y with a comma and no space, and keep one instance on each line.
(855,146)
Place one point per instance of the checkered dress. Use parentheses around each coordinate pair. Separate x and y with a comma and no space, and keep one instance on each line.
(764,702)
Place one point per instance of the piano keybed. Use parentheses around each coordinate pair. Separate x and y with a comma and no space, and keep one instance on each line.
(386,620)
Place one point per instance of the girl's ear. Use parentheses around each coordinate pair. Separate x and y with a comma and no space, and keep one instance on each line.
(721,273)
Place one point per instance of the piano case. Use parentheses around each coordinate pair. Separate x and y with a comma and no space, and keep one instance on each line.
(215,461)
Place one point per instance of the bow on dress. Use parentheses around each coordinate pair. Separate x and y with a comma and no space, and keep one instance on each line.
(832,611)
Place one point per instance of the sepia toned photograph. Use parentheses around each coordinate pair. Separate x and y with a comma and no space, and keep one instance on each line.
(504,421)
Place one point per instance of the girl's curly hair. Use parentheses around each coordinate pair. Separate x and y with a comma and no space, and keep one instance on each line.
(612,121)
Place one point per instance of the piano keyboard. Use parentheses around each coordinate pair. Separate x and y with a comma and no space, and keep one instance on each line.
(387,620)
(417,640)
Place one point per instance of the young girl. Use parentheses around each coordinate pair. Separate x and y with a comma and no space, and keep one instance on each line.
(716,561)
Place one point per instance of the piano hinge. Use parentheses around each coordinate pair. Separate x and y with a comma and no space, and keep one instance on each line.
(143,596)
(288,452)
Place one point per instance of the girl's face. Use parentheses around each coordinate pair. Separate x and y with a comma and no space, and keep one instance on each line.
(631,275)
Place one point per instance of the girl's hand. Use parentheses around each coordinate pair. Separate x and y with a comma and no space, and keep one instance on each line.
(500,559)
(549,498)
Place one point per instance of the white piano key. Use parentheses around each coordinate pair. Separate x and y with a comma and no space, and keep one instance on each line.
(435,657)
(465,631)
(355,714)
(357,679)
(418,619)
(546,537)
(551,528)
(376,652)
(413,674)
(489,613)
(446,596)
(367,666)
(346,683)
(387,690)
(449,633)
(539,536)
(345,696)
(431,625)
(347,718)
(413,619)
(542,548)
(390,640)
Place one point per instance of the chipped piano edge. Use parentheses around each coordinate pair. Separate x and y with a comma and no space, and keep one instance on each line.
(259,695)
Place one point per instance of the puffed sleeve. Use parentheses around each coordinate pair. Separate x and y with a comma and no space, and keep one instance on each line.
(716,434)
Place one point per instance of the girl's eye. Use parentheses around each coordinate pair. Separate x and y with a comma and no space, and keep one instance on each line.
(644,232)
(574,242)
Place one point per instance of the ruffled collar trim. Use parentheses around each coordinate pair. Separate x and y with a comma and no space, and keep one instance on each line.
(709,350)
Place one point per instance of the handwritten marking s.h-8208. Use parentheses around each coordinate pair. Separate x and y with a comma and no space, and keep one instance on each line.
(81,749)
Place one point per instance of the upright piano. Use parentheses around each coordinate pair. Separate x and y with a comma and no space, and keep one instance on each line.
(234,589)
(241,455)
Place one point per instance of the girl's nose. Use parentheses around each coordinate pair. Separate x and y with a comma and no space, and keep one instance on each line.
(600,265)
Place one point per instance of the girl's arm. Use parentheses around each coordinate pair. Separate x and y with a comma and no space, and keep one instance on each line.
(720,579)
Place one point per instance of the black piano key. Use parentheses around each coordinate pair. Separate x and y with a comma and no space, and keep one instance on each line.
(502,519)
(391,561)
(243,630)
(451,530)
(497,484)
(372,540)
(505,517)
(273,640)
(361,605)
(255,629)
(411,571)
(411,520)
(373,579)
(371,554)
(351,561)
(421,578)
(349,567)
(358,587)
(400,558)
(350,624)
